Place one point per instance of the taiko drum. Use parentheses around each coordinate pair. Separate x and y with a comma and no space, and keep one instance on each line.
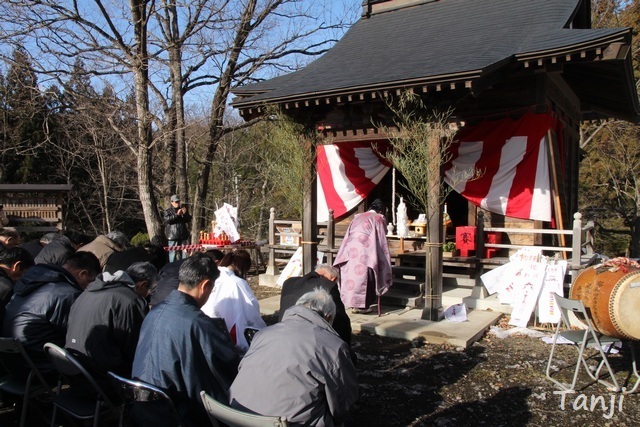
(613,299)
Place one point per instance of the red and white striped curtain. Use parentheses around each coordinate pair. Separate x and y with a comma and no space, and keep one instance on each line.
(347,173)
(511,155)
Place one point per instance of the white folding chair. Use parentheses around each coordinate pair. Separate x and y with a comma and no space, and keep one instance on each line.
(582,339)
(220,413)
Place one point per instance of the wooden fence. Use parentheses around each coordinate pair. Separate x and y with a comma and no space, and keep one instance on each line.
(576,244)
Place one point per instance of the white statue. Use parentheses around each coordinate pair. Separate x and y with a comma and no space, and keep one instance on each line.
(389,229)
(401,219)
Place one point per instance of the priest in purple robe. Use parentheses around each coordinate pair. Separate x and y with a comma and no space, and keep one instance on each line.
(364,260)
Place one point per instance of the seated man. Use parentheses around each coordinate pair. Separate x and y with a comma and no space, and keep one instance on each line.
(14,263)
(300,368)
(168,277)
(57,251)
(105,245)
(39,310)
(9,238)
(324,277)
(182,350)
(105,321)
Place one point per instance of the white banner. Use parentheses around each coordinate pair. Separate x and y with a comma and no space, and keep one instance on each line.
(547,311)
(227,221)
(527,288)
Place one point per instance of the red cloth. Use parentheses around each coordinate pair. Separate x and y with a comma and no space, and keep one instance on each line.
(512,158)
(347,173)
(364,246)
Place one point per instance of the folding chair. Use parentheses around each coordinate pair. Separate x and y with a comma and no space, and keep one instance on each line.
(249,333)
(141,398)
(634,370)
(581,339)
(84,399)
(220,413)
(22,376)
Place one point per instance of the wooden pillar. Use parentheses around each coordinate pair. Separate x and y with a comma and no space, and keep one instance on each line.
(309,218)
(331,236)
(433,295)
(576,243)
(272,268)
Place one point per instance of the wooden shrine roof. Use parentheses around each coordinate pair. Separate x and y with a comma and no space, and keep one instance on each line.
(447,44)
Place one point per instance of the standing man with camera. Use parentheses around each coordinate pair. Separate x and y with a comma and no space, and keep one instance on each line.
(176,219)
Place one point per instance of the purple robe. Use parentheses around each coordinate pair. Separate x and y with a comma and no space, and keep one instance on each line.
(364,246)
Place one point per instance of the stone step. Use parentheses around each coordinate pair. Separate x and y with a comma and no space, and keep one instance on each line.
(474,298)
(399,298)
(407,285)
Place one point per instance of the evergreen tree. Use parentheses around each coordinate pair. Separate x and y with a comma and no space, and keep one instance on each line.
(24,124)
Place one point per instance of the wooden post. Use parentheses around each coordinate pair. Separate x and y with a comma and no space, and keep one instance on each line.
(480,235)
(309,217)
(331,236)
(576,244)
(557,204)
(433,290)
(272,268)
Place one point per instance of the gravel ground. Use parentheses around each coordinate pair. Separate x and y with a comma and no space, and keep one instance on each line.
(494,382)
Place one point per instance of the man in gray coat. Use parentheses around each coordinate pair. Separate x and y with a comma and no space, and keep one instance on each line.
(311,379)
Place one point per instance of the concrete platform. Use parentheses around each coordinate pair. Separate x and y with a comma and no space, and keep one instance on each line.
(406,324)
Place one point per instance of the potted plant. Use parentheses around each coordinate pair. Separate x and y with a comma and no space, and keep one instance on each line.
(449,249)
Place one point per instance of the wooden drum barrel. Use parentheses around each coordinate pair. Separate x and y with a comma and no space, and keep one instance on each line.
(613,298)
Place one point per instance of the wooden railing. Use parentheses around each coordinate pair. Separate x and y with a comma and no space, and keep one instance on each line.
(280,253)
(578,247)
(34,217)
(579,242)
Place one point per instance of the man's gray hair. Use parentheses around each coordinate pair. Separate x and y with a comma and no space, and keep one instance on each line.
(329,269)
(119,238)
(48,238)
(321,302)
(139,271)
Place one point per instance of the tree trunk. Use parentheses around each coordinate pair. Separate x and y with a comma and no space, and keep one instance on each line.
(216,118)
(169,178)
(141,78)
(177,102)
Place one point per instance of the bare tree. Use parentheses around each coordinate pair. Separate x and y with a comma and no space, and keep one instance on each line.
(246,55)
(420,142)
(160,51)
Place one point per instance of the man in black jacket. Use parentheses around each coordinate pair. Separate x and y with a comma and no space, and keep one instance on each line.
(324,277)
(14,263)
(39,310)
(176,219)
(105,321)
(57,251)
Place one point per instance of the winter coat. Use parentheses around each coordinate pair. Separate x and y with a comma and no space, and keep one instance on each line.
(6,288)
(105,321)
(233,301)
(56,252)
(299,369)
(6,292)
(294,287)
(38,313)
(176,225)
(168,281)
(183,351)
(102,247)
